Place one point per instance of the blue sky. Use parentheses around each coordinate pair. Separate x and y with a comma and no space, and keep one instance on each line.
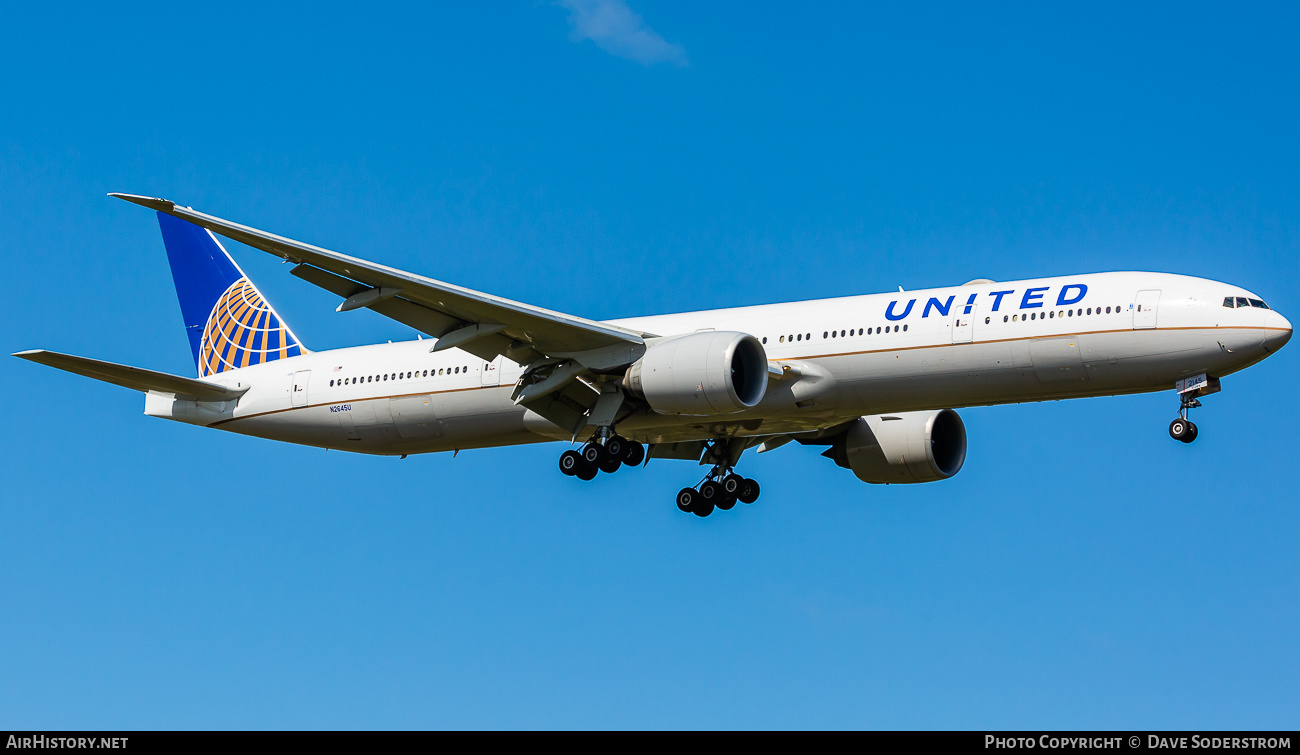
(1083,570)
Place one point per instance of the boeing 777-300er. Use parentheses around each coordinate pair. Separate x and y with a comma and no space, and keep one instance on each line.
(874,378)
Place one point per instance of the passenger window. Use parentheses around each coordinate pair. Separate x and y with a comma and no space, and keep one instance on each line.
(904,327)
(895,328)
(826,334)
(1069,313)
(782,339)
(841,333)
(1005,318)
(986,320)
(877,330)
(800,337)
(1051,315)
(1015,318)
(833,334)
(859,331)
(764,339)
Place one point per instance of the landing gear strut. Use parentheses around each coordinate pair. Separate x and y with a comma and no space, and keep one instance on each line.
(604,453)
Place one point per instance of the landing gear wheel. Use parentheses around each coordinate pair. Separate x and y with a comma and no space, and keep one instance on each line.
(711,492)
(616,448)
(687,498)
(1191,432)
(731,484)
(570,461)
(593,454)
(748,491)
(587,471)
(1179,429)
(702,508)
(635,453)
(727,501)
(610,464)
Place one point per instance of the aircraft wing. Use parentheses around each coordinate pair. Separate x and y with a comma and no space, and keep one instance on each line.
(136,378)
(479,323)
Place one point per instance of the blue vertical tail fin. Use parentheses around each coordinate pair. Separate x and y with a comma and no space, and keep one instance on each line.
(228,322)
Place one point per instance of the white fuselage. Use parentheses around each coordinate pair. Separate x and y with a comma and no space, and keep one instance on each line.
(983,343)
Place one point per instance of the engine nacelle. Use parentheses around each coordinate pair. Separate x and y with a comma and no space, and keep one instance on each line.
(903,448)
(702,374)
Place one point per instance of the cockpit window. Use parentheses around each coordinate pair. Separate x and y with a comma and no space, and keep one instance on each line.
(1258,303)
(1242,302)
(1227,302)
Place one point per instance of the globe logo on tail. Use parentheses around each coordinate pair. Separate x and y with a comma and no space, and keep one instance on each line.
(242,330)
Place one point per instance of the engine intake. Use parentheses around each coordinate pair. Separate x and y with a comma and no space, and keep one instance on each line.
(903,448)
(701,374)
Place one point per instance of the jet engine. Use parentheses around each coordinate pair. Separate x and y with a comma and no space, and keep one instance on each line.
(701,374)
(902,448)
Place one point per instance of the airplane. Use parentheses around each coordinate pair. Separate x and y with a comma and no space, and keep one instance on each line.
(875,378)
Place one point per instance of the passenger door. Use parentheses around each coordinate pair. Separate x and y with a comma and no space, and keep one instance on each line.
(963,327)
(492,372)
(1144,310)
(299,395)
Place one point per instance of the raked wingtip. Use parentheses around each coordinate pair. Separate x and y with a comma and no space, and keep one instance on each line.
(153,203)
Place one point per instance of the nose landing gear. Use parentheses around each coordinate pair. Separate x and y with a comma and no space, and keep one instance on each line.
(1189,389)
(1183,429)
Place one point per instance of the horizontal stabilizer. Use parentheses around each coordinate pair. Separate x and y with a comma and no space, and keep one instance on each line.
(134,377)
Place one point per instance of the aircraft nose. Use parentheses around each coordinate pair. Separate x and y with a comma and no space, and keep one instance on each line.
(1278,333)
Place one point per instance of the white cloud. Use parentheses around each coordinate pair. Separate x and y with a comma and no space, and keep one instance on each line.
(617,30)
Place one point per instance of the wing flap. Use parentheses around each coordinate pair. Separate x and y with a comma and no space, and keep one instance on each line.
(136,378)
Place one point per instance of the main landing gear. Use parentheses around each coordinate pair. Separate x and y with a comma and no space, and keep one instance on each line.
(605,454)
(721,488)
